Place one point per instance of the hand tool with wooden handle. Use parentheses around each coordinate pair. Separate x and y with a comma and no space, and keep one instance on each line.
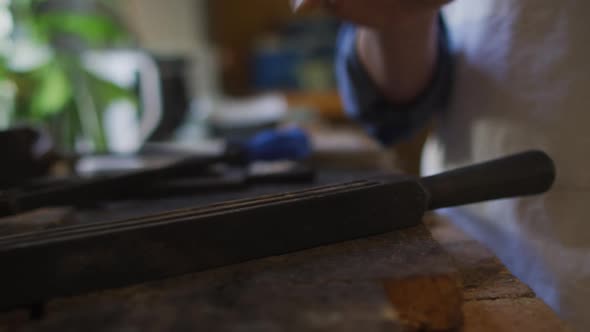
(69,260)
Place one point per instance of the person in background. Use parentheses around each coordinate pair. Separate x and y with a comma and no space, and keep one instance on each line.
(498,77)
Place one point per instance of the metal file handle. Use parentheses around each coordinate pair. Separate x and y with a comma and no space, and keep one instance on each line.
(527,173)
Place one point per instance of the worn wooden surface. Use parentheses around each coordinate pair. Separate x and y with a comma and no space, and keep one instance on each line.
(332,288)
(335,288)
(494,299)
(426,302)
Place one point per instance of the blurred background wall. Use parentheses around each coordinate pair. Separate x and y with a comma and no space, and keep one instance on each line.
(176,27)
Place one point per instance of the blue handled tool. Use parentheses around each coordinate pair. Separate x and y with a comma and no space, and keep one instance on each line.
(286,144)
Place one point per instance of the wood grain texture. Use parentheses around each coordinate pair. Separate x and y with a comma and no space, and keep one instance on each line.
(494,299)
(511,315)
(331,288)
(427,303)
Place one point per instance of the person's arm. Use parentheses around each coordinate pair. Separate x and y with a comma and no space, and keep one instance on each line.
(401,58)
(393,67)
(366,101)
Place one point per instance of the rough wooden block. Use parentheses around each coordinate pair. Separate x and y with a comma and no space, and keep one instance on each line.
(495,300)
(331,288)
(483,275)
(511,315)
(427,303)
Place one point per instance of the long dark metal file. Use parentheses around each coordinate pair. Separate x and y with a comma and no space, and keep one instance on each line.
(75,259)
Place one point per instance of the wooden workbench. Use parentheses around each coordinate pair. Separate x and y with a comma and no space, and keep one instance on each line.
(401,281)
(494,299)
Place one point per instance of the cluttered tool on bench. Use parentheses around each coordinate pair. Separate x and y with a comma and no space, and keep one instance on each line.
(189,175)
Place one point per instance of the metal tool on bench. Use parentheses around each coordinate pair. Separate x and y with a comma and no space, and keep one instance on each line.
(74,259)
(291,144)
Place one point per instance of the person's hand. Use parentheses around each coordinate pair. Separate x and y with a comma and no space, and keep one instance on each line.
(380,14)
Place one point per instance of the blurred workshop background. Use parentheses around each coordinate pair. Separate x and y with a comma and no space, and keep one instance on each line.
(106,77)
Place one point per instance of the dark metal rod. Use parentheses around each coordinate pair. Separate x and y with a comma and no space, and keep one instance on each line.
(47,264)
(70,260)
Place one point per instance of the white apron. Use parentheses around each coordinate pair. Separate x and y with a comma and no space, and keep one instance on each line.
(523,81)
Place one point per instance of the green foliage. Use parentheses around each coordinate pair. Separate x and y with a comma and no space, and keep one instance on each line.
(95,30)
(61,83)
(52,93)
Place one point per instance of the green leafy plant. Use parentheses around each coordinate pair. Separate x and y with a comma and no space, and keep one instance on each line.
(41,59)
